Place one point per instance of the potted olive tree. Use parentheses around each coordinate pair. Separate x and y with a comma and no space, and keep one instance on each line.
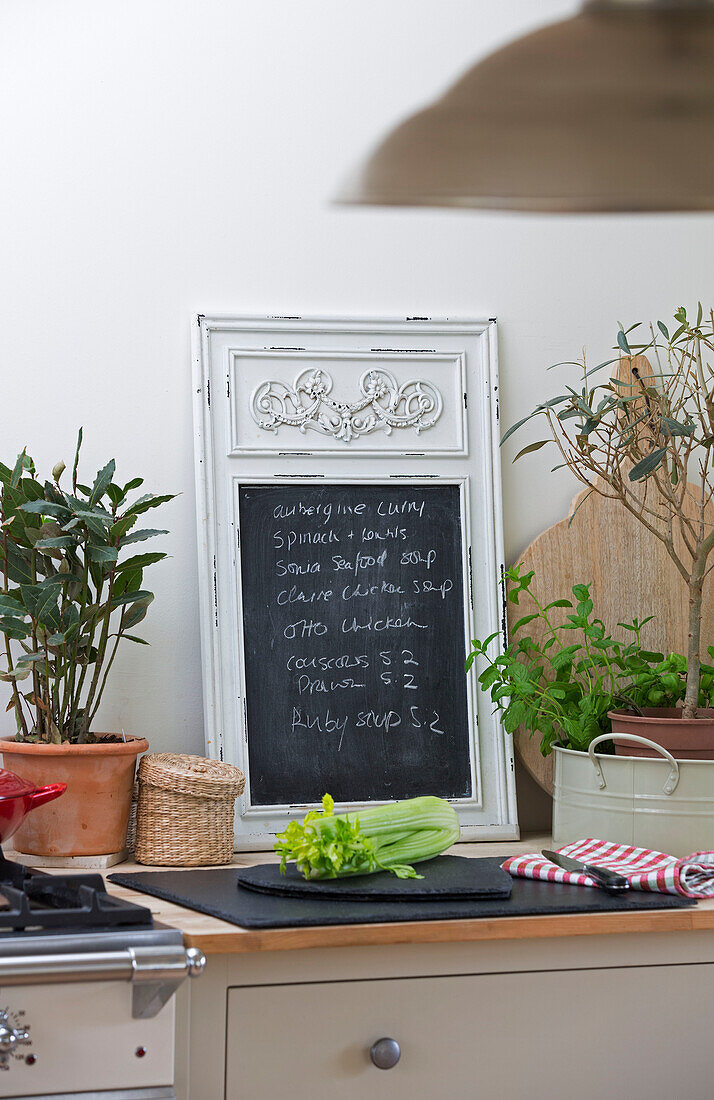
(70,591)
(647,441)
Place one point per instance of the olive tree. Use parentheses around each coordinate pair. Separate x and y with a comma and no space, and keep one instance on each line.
(646,440)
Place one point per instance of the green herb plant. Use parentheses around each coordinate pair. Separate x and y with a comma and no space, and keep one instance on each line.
(70,591)
(562,682)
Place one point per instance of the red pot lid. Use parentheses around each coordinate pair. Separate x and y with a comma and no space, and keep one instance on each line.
(12,786)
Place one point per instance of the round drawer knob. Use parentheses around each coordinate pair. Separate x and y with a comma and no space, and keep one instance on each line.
(385,1053)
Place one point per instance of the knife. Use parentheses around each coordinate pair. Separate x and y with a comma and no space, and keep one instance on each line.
(608,880)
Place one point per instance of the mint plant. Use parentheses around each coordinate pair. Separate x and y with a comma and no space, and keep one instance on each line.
(563,683)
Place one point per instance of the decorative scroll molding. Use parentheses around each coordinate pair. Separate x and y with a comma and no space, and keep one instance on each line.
(383,406)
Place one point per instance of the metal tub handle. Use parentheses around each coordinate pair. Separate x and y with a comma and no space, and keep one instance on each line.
(673,777)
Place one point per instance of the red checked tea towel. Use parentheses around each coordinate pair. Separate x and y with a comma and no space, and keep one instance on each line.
(692,877)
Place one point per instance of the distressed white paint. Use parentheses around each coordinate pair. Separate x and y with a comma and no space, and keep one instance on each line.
(379,402)
(222,468)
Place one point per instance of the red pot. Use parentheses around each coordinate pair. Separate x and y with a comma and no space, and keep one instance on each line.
(18,797)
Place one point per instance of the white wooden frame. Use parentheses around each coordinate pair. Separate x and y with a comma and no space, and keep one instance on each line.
(458,360)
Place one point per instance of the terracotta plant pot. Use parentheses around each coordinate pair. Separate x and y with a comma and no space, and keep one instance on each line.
(92,816)
(692,739)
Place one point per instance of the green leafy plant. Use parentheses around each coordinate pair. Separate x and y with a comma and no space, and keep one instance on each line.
(384,838)
(71,590)
(562,682)
(640,440)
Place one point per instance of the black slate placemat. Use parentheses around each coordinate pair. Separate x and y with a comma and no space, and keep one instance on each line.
(446,878)
(218,894)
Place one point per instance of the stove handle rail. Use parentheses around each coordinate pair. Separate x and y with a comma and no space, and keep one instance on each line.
(155,973)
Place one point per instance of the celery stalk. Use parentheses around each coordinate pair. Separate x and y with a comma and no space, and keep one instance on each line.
(384,838)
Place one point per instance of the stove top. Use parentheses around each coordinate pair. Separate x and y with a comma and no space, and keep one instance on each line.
(35,901)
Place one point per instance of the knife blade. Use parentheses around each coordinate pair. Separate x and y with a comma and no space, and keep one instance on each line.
(608,880)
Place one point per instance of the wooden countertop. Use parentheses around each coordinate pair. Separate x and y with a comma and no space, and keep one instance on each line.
(218,937)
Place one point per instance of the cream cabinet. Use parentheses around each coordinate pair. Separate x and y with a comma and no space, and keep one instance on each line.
(589,1033)
(588,1017)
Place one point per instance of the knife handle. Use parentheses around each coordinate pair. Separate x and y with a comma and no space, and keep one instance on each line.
(608,880)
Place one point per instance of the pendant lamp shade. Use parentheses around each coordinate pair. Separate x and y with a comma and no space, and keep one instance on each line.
(611,110)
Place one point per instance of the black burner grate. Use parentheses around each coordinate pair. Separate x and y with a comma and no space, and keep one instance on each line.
(31,900)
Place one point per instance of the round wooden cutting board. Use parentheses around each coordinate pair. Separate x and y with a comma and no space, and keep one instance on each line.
(631,577)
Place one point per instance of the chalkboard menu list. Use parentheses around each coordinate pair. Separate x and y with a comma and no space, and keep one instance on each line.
(354,638)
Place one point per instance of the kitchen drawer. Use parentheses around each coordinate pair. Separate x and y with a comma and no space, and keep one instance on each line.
(639,1032)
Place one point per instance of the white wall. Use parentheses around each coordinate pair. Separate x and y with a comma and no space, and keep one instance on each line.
(163,157)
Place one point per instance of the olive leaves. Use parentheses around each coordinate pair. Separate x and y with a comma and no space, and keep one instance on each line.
(644,436)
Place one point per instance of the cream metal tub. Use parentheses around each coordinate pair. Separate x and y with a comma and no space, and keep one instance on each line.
(663,804)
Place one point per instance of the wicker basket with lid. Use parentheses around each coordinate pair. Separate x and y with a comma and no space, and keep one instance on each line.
(185,811)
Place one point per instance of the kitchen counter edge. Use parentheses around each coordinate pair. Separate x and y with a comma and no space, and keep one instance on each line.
(215,936)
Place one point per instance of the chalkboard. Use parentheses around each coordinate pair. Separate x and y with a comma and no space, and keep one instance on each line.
(354,642)
(350,546)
